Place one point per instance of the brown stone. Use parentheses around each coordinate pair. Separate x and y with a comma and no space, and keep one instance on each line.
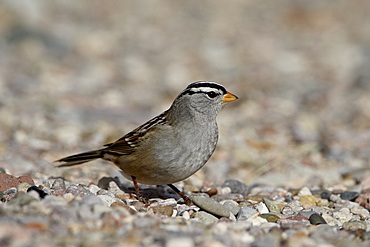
(163,210)
(123,205)
(7,181)
(308,199)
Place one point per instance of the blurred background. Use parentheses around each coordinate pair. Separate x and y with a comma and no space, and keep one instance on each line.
(75,75)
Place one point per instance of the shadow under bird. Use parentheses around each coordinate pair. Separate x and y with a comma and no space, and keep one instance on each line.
(171,146)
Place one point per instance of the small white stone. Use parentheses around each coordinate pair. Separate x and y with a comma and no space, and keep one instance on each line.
(107,199)
(256,220)
(186,215)
(226,190)
(94,189)
(304,192)
(262,208)
(360,211)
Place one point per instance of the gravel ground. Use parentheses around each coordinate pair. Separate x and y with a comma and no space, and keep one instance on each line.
(291,166)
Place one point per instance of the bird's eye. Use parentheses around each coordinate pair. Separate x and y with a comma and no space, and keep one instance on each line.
(212,94)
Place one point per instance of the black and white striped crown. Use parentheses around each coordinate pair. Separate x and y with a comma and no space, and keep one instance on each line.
(204,87)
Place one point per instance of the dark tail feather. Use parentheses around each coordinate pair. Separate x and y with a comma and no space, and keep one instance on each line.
(81,158)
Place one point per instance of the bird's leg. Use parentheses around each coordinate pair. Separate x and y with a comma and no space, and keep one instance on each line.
(138,192)
(186,199)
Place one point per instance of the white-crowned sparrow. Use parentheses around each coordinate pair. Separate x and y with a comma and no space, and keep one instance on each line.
(173,145)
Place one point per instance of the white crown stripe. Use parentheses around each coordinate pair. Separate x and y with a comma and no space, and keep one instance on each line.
(204,89)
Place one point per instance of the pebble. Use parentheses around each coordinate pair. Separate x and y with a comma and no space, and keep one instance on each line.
(232,197)
(78,190)
(105,192)
(364,200)
(261,208)
(343,215)
(23,187)
(363,212)
(236,186)
(331,220)
(307,213)
(249,221)
(325,195)
(308,199)
(205,218)
(212,192)
(108,200)
(168,202)
(272,207)
(256,220)
(162,210)
(114,188)
(349,195)
(354,226)
(104,182)
(120,204)
(316,219)
(11,190)
(39,191)
(58,184)
(270,217)
(208,204)
(8,181)
(305,191)
(94,189)
(245,213)
(232,206)
(293,224)
(225,190)
(292,208)
(22,199)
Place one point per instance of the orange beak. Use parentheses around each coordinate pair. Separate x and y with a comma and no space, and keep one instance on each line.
(229,97)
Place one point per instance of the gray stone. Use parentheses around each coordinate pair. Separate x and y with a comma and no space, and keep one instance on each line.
(108,200)
(22,199)
(293,224)
(210,205)
(58,184)
(354,226)
(11,190)
(206,218)
(245,213)
(316,219)
(236,186)
(77,190)
(272,207)
(232,206)
(349,195)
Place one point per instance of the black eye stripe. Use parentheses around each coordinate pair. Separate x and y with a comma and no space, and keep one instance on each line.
(192,91)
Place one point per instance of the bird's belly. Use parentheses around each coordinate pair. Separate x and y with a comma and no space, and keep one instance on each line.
(174,164)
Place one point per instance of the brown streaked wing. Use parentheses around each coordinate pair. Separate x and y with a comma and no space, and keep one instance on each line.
(129,142)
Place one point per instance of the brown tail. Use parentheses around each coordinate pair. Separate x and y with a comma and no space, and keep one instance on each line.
(81,158)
